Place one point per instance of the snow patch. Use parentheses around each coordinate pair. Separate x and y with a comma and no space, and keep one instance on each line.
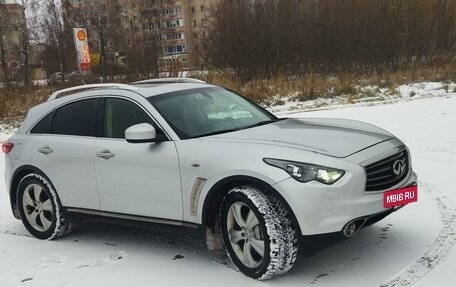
(437,250)
(364,96)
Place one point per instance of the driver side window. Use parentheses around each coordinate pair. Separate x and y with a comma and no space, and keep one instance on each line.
(121,114)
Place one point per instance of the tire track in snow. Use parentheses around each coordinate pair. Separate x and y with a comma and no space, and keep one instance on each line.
(437,250)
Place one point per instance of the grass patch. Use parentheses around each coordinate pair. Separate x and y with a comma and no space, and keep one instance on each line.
(15,102)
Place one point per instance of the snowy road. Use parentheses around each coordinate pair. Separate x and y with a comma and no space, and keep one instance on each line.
(412,246)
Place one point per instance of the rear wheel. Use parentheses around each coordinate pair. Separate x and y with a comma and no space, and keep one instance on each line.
(258,233)
(40,208)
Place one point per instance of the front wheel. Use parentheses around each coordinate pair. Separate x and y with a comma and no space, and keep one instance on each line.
(258,233)
(40,208)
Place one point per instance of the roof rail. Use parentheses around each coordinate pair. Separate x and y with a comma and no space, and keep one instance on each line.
(60,93)
(169,81)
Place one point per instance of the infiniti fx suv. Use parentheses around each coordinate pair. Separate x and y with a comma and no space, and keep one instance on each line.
(186,153)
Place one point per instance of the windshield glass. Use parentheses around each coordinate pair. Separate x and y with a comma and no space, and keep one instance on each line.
(208,111)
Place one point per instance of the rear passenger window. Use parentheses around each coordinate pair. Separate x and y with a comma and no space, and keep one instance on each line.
(76,118)
(120,115)
(44,125)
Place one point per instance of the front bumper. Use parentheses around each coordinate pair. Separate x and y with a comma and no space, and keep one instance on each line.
(325,209)
(321,208)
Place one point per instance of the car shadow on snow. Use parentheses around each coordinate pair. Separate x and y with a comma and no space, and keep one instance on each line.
(179,241)
(187,240)
(322,258)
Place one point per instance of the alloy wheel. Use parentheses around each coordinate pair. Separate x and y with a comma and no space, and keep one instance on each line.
(245,235)
(38,207)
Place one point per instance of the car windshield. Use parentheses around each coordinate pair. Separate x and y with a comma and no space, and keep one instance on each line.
(208,111)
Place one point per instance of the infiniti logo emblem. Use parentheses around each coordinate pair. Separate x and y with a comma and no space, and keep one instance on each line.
(399,167)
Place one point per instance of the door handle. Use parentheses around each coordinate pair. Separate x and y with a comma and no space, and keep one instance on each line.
(45,150)
(106,154)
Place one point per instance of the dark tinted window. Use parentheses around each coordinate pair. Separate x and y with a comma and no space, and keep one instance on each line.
(122,114)
(44,125)
(76,118)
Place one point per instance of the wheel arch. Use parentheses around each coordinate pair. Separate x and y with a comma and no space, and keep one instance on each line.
(215,195)
(18,174)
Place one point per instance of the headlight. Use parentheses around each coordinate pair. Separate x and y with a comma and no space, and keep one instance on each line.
(305,172)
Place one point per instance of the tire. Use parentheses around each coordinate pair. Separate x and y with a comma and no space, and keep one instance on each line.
(258,232)
(40,208)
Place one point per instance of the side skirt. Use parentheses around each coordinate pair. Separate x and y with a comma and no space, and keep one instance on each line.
(128,220)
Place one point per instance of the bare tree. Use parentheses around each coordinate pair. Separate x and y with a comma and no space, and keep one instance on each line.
(150,16)
(54,32)
(3,31)
(269,37)
(28,31)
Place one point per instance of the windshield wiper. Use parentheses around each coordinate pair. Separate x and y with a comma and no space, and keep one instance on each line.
(215,133)
(262,123)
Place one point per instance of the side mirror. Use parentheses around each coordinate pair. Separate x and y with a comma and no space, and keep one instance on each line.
(141,133)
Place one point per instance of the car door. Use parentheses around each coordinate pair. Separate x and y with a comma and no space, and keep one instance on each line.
(63,151)
(139,179)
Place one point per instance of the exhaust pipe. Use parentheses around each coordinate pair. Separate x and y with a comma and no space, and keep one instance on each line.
(353,227)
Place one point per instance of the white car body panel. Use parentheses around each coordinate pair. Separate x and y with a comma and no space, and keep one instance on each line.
(222,160)
(315,135)
(148,172)
(71,167)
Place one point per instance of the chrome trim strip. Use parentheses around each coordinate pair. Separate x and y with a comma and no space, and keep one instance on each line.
(195,194)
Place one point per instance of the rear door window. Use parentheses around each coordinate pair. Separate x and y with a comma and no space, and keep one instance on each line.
(76,118)
(44,125)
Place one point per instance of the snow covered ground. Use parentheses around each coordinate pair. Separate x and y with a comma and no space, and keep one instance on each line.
(366,96)
(414,246)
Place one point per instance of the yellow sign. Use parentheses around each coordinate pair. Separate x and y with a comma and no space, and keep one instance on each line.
(95,59)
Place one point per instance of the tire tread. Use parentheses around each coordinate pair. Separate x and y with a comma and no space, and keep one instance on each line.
(279,226)
(62,225)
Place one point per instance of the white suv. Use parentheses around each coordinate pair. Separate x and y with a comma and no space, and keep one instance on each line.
(187,153)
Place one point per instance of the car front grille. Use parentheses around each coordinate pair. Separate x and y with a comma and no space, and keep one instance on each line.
(387,172)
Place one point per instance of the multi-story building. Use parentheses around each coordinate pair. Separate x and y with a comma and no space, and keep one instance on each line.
(176,29)
(199,15)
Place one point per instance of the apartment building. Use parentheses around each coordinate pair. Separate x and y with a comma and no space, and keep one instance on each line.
(177,28)
(199,15)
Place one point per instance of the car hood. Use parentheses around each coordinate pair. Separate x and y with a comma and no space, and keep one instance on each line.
(333,137)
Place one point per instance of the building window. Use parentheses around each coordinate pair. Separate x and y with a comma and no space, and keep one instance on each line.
(193,10)
(195,35)
(204,34)
(174,23)
(203,8)
(174,36)
(172,10)
(194,23)
(175,49)
(204,22)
